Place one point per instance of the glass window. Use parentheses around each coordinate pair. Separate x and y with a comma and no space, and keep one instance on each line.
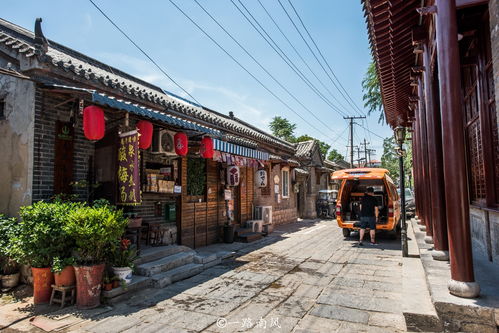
(285,183)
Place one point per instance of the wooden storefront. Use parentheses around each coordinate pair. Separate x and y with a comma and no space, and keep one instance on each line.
(199,223)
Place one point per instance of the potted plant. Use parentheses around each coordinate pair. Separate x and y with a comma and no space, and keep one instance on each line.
(116,281)
(39,238)
(107,284)
(94,230)
(123,256)
(9,269)
(64,272)
(9,273)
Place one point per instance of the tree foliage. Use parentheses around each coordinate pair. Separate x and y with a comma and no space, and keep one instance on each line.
(390,159)
(372,92)
(335,156)
(283,128)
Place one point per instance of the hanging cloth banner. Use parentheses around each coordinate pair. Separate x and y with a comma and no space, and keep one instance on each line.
(128,169)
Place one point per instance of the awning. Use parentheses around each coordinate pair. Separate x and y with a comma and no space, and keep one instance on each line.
(105,100)
(231,148)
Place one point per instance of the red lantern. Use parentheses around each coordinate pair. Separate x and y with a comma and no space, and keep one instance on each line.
(94,124)
(180,140)
(206,149)
(145,130)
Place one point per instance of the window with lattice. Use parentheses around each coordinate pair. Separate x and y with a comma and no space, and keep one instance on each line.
(479,109)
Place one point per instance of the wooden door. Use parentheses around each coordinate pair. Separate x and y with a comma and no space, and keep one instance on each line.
(63,161)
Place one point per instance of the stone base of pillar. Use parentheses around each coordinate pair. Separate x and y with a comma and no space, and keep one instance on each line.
(464,289)
(428,239)
(422,228)
(440,255)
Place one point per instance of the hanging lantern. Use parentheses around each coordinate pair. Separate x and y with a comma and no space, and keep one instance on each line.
(233,175)
(145,130)
(181,142)
(206,149)
(94,124)
(261,178)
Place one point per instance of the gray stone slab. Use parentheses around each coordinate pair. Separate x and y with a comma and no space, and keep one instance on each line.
(316,324)
(295,306)
(340,313)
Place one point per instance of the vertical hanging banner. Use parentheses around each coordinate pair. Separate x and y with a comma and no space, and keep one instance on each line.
(128,169)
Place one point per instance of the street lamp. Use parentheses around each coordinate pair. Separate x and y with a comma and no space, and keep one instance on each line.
(399,133)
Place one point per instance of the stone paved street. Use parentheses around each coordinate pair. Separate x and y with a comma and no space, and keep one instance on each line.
(304,278)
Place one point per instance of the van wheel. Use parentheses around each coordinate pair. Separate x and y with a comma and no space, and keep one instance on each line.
(346,232)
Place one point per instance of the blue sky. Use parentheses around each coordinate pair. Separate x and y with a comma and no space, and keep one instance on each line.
(206,72)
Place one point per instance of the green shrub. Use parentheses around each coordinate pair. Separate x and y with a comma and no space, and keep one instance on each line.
(94,230)
(8,229)
(40,235)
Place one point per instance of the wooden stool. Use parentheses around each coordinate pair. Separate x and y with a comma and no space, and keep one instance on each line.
(64,296)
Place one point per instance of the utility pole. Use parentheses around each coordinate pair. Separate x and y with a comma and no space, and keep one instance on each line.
(369,154)
(351,136)
(365,150)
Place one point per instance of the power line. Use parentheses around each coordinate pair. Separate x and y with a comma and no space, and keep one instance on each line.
(323,58)
(299,55)
(244,68)
(284,57)
(259,64)
(143,52)
(313,53)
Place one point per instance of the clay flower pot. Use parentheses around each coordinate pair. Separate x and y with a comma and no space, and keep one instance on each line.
(108,286)
(10,280)
(88,285)
(43,279)
(66,277)
(123,273)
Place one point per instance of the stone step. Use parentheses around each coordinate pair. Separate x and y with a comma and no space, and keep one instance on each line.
(164,279)
(155,253)
(117,294)
(165,264)
(249,237)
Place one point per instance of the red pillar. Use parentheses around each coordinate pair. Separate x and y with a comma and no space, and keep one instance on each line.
(435,167)
(425,179)
(456,187)
(417,169)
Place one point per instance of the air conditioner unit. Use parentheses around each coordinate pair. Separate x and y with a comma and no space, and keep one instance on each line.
(263,213)
(163,142)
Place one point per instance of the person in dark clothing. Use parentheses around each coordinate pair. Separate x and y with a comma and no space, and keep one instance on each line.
(368,215)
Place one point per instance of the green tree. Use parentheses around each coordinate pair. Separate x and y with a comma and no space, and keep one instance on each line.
(323,147)
(372,92)
(335,156)
(283,128)
(390,159)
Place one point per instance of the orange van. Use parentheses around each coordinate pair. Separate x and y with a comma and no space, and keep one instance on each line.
(354,183)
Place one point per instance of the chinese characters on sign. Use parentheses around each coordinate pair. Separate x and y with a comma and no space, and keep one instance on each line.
(128,169)
(233,175)
(261,178)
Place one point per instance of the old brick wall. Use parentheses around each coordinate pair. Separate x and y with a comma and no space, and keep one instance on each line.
(46,114)
(284,211)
